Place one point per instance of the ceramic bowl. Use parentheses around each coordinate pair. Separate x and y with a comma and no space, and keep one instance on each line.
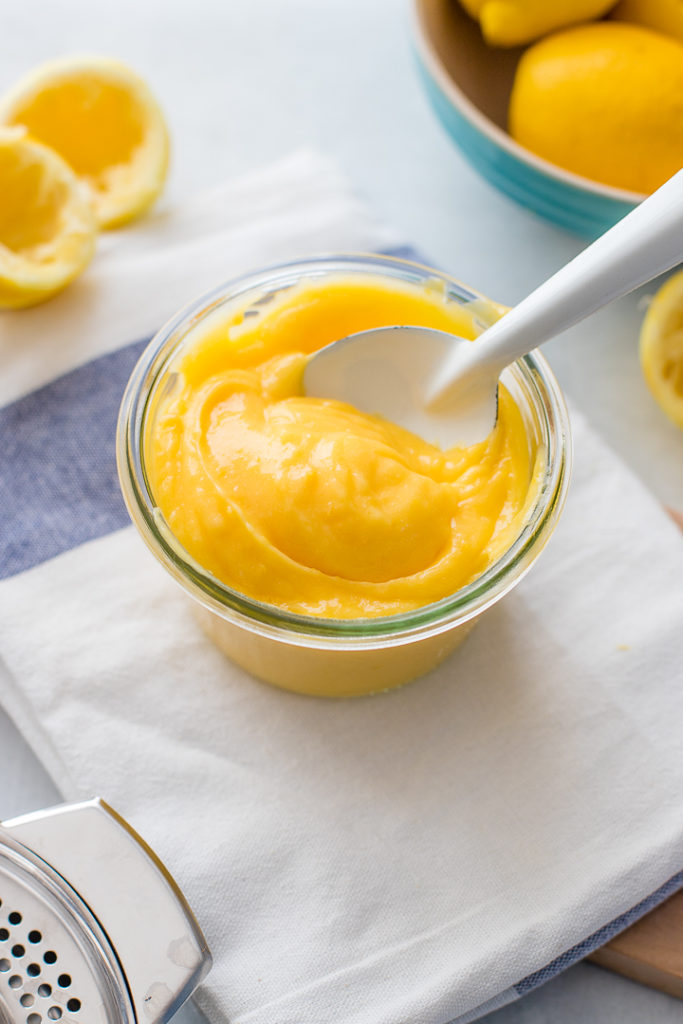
(468,84)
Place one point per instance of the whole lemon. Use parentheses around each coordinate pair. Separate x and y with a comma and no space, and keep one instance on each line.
(513,22)
(604,101)
(663,15)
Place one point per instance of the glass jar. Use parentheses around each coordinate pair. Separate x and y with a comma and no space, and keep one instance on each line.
(315,655)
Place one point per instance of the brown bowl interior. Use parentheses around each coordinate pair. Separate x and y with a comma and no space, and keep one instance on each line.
(485,75)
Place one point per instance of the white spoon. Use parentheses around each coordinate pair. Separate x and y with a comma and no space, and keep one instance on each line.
(444,388)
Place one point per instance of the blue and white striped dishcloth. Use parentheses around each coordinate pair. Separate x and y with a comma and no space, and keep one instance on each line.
(427,855)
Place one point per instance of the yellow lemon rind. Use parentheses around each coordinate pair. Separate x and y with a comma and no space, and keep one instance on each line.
(664,16)
(602,101)
(508,23)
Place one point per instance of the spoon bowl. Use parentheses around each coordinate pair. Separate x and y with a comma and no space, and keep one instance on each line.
(444,388)
(392,372)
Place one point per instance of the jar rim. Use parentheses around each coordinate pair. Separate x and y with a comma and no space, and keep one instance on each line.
(532,372)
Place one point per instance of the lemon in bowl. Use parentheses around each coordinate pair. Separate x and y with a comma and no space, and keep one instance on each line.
(663,15)
(603,101)
(513,22)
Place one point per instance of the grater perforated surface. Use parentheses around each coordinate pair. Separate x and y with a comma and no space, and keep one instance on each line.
(55,962)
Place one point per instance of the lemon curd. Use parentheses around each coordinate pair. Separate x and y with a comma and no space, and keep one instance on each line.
(307,504)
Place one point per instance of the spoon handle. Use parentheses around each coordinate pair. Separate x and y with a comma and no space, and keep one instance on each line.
(645,243)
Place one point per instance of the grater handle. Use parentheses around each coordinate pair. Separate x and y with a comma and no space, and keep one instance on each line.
(127,888)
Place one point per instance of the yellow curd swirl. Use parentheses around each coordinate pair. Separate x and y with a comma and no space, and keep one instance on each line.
(306,503)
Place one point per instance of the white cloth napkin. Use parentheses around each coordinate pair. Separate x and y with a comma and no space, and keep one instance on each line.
(424,855)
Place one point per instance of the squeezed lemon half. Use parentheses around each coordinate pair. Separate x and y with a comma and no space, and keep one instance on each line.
(47,224)
(102,118)
(661,348)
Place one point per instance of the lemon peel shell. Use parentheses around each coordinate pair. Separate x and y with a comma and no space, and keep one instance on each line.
(661,348)
(104,120)
(47,225)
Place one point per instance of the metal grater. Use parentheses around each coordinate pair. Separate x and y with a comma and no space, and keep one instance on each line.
(93,929)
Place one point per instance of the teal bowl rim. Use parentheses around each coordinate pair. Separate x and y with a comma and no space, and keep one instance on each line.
(435,70)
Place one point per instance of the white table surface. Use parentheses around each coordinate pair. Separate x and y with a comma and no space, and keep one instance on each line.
(243,82)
